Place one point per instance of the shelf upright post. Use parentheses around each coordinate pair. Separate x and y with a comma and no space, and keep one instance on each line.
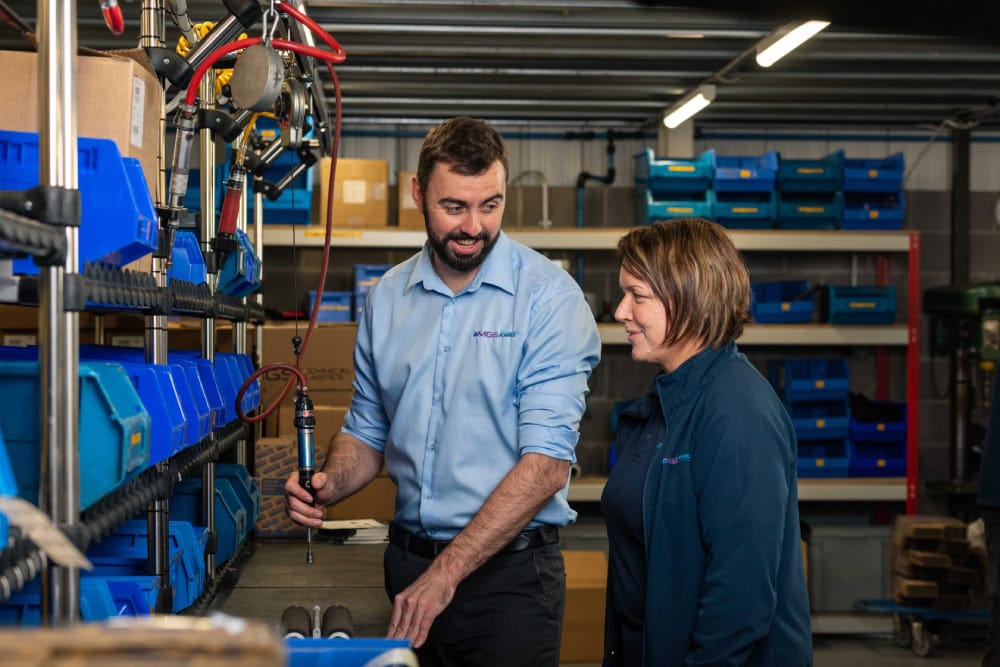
(240,328)
(258,243)
(206,155)
(59,492)
(913,376)
(152,34)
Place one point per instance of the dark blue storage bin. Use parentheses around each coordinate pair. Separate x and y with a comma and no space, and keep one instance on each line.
(745,210)
(746,173)
(823,458)
(809,379)
(820,420)
(241,270)
(881,430)
(861,304)
(113,427)
(187,262)
(354,652)
(874,175)
(873,211)
(334,306)
(366,275)
(118,223)
(133,595)
(207,379)
(8,485)
(232,371)
(649,210)
(24,608)
(294,205)
(823,175)
(878,458)
(231,525)
(810,211)
(782,301)
(665,176)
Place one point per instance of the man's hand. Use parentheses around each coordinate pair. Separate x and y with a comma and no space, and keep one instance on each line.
(414,610)
(299,504)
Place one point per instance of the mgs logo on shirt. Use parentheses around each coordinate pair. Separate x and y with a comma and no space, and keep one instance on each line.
(496,334)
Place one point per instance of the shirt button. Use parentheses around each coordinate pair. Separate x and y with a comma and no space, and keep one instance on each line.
(433,445)
(436,398)
(446,348)
(428,495)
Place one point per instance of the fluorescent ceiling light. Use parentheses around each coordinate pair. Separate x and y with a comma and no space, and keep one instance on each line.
(785,40)
(695,101)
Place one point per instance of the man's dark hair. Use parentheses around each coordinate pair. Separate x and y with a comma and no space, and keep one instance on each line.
(468,146)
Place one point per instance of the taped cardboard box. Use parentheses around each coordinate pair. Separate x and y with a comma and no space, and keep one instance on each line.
(360,194)
(328,363)
(583,621)
(277,458)
(119,98)
(408,215)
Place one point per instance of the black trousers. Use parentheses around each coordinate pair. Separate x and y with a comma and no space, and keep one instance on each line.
(508,612)
(991,517)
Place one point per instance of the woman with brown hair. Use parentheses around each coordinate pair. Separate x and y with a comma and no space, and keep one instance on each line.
(705,560)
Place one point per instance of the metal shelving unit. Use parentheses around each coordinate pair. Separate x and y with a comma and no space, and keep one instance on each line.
(898,335)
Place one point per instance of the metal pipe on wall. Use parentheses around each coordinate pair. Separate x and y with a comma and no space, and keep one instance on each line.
(59,493)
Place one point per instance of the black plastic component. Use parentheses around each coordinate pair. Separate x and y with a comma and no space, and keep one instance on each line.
(20,562)
(254,164)
(107,286)
(247,11)
(229,307)
(190,298)
(211,542)
(225,243)
(49,204)
(337,622)
(165,600)
(20,235)
(266,188)
(256,312)
(170,64)
(220,122)
(296,621)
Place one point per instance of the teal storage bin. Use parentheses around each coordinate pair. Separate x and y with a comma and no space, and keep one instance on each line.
(231,526)
(665,177)
(649,210)
(24,608)
(114,427)
(823,175)
(745,210)
(243,485)
(8,484)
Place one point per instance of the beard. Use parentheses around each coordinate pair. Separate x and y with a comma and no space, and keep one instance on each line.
(452,260)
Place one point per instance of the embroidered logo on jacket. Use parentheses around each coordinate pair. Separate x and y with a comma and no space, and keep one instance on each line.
(496,334)
(674,460)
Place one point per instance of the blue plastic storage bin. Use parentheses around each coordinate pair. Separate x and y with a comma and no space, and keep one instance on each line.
(820,420)
(231,526)
(294,204)
(246,489)
(24,608)
(881,430)
(125,552)
(745,210)
(649,210)
(823,175)
(823,458)
(241,270)
(782,301)
(118,223)
(873,211)
(113,427)
(810,211)
(861,304)
(366,275)
(187,262)
(665,176)
(334,306)
(8,484)
(133,595)
(359,306)
(355,652)
(746,174)
(208,379)
(878,458)
(874,175)
(810,379)
(168,427)
(233,370)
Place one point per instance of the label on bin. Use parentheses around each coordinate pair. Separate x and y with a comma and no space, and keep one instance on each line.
(873,173)
(820,423)
(820,384)
(40,530)
(786,306)
(860,304)
(680,209)
(820,463)
(880,463)
(809,170)
(873,214)
(811,209)
(681,167)
(880,427)
(745,209)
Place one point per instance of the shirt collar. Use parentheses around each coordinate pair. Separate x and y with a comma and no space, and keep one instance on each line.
(676,388)
(497,270)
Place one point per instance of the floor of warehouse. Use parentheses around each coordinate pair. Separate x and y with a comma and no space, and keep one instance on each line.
(270,575)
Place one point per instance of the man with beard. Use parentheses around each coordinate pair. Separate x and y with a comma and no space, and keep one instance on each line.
(471,370)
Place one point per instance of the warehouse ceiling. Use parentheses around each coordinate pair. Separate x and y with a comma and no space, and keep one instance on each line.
(613,63)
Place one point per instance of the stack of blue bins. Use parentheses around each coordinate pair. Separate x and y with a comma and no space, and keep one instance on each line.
(237,506)
(335,306)
(186,261)
(782,302)
(878,440)
(743,195)
(118,222)
(668,188)
(861,304)
(365,277)
(294,205)
(873,193)
(809,193)
(815,392)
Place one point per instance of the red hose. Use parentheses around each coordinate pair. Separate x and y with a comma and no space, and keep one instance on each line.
(296,372)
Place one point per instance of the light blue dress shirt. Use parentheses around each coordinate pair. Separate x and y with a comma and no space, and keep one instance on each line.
(454,388)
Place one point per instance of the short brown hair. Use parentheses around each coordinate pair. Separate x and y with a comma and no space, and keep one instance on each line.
(693,267)
(469,146)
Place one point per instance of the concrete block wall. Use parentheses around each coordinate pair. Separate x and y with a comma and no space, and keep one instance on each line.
(289,273)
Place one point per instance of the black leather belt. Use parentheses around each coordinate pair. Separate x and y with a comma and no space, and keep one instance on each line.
(425,548)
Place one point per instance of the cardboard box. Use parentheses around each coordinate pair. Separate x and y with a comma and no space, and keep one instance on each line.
(277,458)
(583,622)
(360,194)
(119,98)
(329,421)
(328,363)
(408,216)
